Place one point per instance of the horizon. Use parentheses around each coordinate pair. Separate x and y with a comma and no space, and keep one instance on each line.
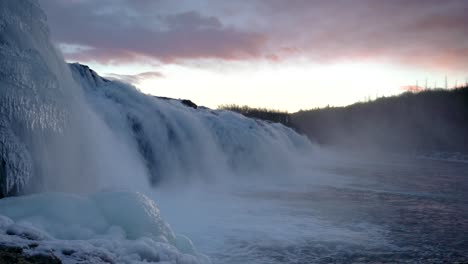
(290,57)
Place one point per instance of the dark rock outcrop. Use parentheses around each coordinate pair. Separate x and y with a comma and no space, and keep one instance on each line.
(16,255)
(189,103)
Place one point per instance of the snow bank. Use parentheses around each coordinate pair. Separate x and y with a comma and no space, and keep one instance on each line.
(116,227)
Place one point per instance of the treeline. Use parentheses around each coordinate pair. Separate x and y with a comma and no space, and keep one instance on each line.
(433,120)
(272,115)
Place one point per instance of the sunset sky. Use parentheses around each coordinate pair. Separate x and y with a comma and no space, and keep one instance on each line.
(282,54)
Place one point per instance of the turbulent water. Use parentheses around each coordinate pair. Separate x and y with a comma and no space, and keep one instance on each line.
(347,210)
(93,160)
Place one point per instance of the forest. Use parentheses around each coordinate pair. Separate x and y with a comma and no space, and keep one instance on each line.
(429,120)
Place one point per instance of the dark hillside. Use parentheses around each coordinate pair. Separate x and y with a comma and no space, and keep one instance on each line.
(433,120)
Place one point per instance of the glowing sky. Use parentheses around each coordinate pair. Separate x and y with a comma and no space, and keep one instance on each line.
(283,54)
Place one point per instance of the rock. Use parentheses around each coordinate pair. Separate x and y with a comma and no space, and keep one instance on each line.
(15,255)
(189,103)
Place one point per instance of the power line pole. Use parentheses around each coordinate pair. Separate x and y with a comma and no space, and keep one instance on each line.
(425,86)
(446,82)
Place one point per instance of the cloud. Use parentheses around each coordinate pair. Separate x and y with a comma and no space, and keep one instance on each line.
(193,20)
(135,78)
(120,32)
(420,33)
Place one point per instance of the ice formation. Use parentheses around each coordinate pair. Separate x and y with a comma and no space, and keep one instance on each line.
(93,229)
(50,139)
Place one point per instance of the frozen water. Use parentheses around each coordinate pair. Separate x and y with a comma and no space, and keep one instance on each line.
(50,139)
(118,227)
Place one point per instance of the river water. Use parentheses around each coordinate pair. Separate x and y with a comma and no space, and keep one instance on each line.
(342,211)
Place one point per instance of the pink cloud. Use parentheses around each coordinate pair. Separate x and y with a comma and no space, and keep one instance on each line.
(420,33)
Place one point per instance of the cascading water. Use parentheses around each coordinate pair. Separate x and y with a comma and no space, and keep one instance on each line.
(183,143)
(63,128)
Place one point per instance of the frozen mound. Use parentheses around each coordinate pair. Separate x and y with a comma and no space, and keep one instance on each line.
(93,229)
(50,138)
(30,101)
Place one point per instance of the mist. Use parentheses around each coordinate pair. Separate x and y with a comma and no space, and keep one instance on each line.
(426,122)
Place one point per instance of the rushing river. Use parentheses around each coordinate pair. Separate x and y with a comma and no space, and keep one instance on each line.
(345,211)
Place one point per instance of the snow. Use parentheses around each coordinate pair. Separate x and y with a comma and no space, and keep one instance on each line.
(93,228)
